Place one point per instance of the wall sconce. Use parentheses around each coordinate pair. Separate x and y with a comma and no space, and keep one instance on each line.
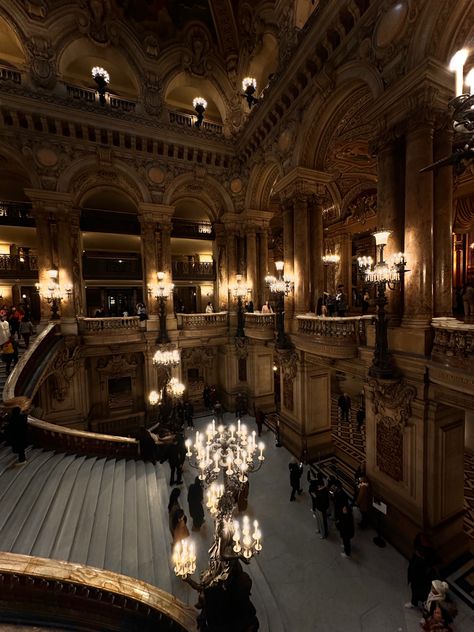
(55,294)
(200,105)
(249,86)
(161,292)
(102,79)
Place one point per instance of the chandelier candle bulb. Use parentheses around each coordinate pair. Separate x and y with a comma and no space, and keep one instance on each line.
(261,447)
(457,65)
(232,430)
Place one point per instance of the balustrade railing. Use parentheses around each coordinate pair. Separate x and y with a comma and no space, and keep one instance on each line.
(187,120)
(202,321)
(15,211)
(335,330)
(259,321)
(193,230)
(453,343)
(89,95)
(9,74)
(19,264)
(201,270)
(110,325)
(35,590)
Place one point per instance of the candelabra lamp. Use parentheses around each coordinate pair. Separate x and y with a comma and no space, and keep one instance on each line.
(161,292)
(249,86)
(169,389)
(54,295)
(281,286)
(102,79)
(381,275)
(230,451)
(240,291)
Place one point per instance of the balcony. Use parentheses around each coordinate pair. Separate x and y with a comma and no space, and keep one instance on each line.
(110,330)
(192,230)
(10,74)
(187,120)
(191,325)
(259,326)
(453,344)
(189,271)
(18,266)
(16,214)
(91,96)
(336,338)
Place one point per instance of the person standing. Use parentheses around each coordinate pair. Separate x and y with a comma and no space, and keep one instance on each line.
(250,308)
(345,525)
(344,403)
(195,498)
(321,505)
(364,500)
(341,301)
(8,354)
(296,470)
(267,308)
(173,507)
(180,529)
(17,430)
(420,570)
(26,330)
(188,414)
(209,308)
(360,418)
(365,302)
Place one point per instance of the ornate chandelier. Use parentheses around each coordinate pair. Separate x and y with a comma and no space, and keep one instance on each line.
(281,284)
(381,271)
(330,259)
(233,452)
(167,357)
(175,387)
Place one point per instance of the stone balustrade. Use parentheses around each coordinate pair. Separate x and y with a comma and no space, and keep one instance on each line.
(259,326)
(336,337)
(108,325)
(202,321)
(453,343)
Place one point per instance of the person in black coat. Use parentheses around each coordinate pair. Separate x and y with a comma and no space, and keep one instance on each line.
(421,570)
(344,403)
(195,498)
(321,506)
(345,524)
(17,429)
(188,414)
(177,456)
(296,470)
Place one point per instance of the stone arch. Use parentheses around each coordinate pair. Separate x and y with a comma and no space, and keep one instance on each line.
(17,174)
(262,180)
(85,175)
(365,186)
(207,189)
(79,54)
(323,119)
(184,83)
(12,48)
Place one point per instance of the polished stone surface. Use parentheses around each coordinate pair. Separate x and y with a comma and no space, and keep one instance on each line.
(301,583)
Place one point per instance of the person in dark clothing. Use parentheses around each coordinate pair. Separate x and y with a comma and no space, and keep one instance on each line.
(147,445)
(341,301)
(421,570)
(173,507)
(188,414)
(218,412)
(177,456)
(206,396)
(344,404)
(339,497)
(365,302)
(345,524)
(321,506)
(17,429)
(250,307)
(195,498)
(259,420)
(360,418)
(296,470)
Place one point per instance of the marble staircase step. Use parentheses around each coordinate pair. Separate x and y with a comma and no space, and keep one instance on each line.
(46,515)
(130,528)
(145,518)
(115,541)
(99,532)
(157,503)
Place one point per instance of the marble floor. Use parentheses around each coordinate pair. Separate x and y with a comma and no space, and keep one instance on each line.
(301,583)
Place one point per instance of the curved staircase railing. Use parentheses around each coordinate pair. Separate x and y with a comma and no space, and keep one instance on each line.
(49,592)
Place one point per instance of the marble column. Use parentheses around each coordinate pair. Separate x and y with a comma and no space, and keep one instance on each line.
(165,231)
(263,266)
(390,212)
(252,280)
(45,255)
(222,282)
(418,298)
(301,254)
(288,253)
(317,251)
(69,260)
(443,227)
(150,243)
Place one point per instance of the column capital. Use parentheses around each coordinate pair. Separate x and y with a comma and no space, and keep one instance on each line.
(158,213)
(50,202)
(302,182)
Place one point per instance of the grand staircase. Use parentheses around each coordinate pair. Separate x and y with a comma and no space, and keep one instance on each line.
(106,513)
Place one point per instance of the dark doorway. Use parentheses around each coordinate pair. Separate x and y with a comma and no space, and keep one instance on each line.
(116,301)
(185,299)
(30,301)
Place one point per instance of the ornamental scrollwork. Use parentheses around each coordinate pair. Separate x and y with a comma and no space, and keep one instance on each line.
(62,369)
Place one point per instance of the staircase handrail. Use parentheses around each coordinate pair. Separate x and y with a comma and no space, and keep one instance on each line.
(72,584)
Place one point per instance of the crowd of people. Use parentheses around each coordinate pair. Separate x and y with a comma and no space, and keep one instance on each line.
(15,328)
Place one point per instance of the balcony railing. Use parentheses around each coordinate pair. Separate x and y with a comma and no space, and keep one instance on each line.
(202,321)
(89,95)
(192,230)
(259,326)
(187,120)
(337,337)
(188,271)
(111,326)
(453,344)
(19,265)
(16,213)
(9,74)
